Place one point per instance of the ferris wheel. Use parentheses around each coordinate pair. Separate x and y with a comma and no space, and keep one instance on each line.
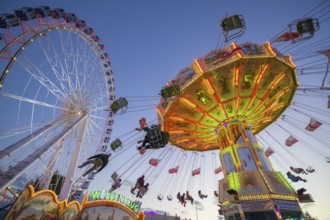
(55,87)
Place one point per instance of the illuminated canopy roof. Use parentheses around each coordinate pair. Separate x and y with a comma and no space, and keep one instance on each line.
(252,82)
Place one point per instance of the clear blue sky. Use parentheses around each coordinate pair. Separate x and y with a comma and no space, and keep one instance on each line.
(150,41)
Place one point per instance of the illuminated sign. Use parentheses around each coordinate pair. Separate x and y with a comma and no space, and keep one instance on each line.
(105,195)
(287,205)
(261,205)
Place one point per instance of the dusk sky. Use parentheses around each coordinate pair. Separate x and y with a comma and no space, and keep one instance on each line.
(149,42)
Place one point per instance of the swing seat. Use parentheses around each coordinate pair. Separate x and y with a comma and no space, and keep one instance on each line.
(233,26)
(158,139)
(142,151)
(77,193)
(169,198)
(114,175)
(116,145)
(305,198)
(305,27)
(310,170)
(308,25)
(119,104)
(170,91)
(85,185)
(91,176)
(160,197)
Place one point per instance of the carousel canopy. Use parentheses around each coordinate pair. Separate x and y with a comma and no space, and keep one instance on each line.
(250,82)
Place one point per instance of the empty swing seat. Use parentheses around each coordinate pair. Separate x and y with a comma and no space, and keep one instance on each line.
(114,175)
(160,197)
(116,145)
(119,104)
(305,27)
(170,91)
(233,26)
(305,198)
(308,25)
(158,139)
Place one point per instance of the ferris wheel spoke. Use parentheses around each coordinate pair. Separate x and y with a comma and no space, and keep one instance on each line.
(91,122)
(97,117)
(99,108)
(90,84)
(71,62)
(37,74)
(21,98)
(55,64)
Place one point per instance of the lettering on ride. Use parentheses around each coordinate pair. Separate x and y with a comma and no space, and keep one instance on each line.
(105,195)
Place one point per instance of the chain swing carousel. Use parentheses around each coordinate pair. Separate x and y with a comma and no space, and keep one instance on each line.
(224,99)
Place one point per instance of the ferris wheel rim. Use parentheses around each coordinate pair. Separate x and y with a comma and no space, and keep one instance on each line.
(90,43)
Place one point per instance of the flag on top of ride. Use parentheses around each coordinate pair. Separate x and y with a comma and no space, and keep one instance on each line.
(313,124)
(154,162)
(218,170)
(269,152)
(196,172)
(173,170)
(290,141)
